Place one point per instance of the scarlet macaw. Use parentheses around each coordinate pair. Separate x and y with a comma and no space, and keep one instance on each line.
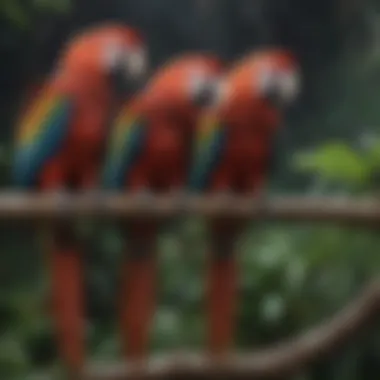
(149,151)
(233,154)
(59,146)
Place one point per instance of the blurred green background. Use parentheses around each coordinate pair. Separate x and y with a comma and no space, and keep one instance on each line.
(292,275)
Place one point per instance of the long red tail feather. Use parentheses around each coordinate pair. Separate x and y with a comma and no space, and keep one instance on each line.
(139,291)
(68,305)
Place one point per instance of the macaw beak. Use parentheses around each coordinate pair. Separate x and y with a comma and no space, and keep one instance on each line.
(203,98)
(206,95)
(125,86)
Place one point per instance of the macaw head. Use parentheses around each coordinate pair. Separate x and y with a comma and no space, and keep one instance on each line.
(277,77)
(202,83)
(125,58)
(181,88)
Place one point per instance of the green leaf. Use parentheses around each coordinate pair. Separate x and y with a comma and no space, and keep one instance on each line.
(335,161)
(373,155)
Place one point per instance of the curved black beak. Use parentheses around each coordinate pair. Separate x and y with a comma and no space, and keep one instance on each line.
(206,95)
(124,85)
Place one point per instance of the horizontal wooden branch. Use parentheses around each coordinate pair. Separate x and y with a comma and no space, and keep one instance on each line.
(278,362)
(296,208)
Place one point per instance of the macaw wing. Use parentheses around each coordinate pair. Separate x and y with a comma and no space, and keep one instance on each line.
(126,144)
(210,146)
(40,136)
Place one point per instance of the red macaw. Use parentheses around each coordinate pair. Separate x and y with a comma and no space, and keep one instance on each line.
(149,151)
(233,153)
(59,146)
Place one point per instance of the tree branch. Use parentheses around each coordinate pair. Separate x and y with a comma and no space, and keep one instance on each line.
(364,211)
(280,361)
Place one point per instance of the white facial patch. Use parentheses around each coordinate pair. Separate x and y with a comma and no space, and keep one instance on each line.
(289,85)
(196,83)
(285,84)
(221,91)
(265,81)
(112,53)
(135,62)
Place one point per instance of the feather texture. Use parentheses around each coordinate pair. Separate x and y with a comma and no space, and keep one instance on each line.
(41,135)
(125,147)
(210,144)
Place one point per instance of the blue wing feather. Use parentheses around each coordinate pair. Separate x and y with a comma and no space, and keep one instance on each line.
(207,157)
(125,148)
(32,152)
